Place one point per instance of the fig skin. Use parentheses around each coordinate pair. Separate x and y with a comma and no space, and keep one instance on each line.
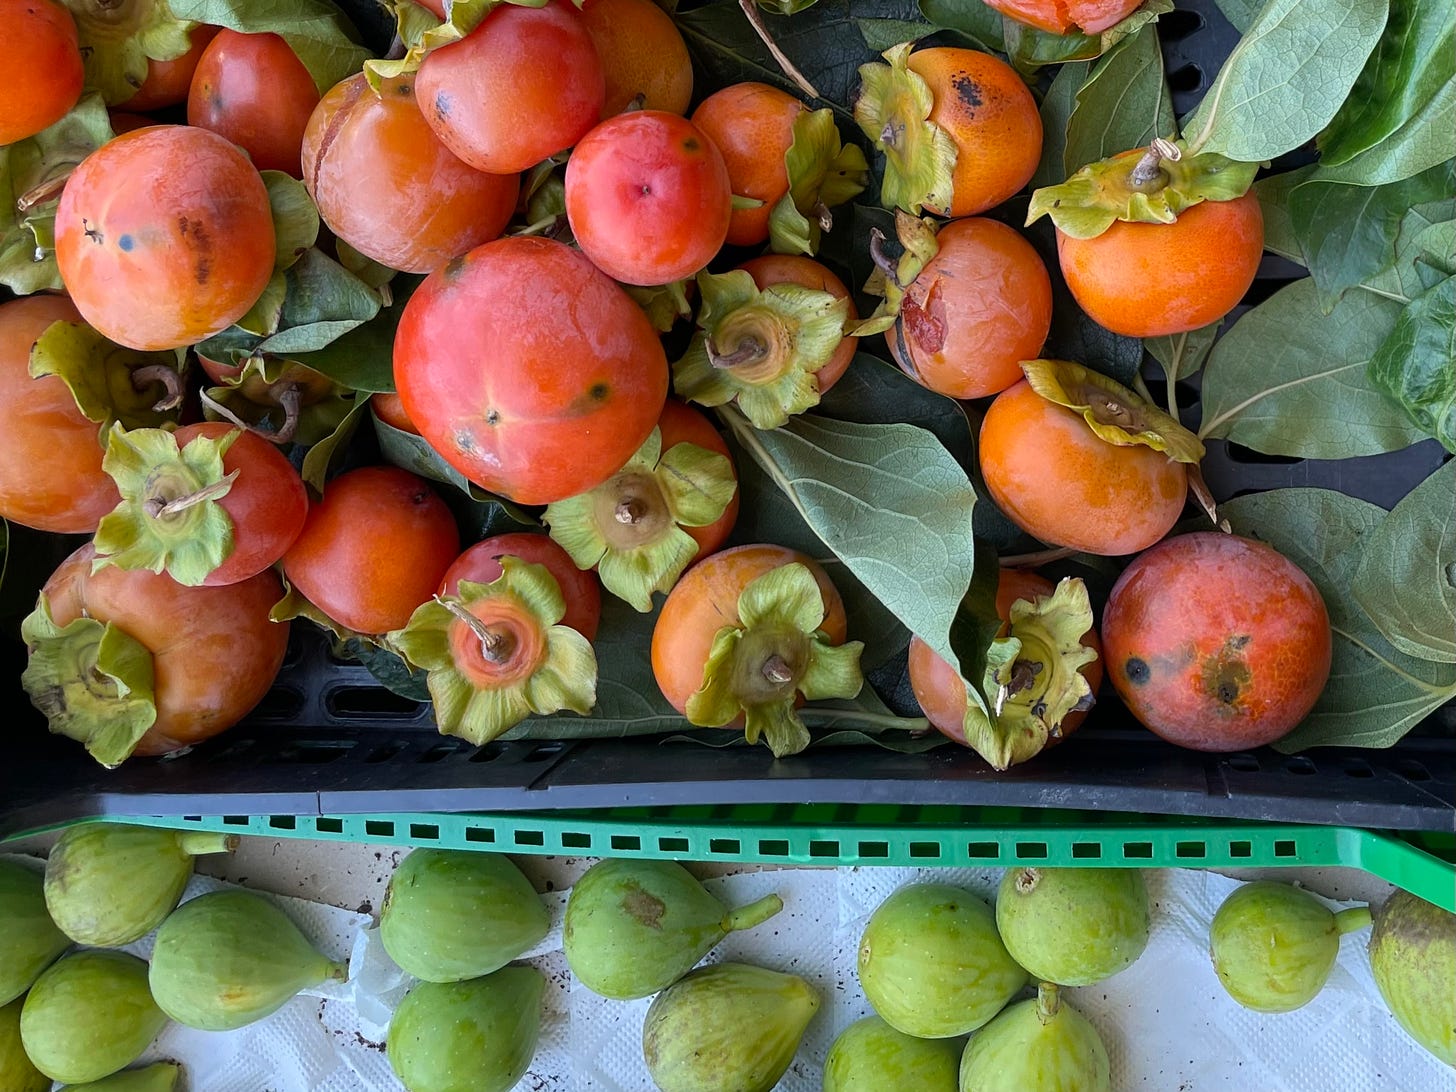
(1040,1045)
(29,939)
(871,1056)
(1413,959)
(1073,926)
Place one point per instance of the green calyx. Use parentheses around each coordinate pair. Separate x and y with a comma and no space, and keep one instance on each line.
(893,108)
(1113,412)
(279,399)
(757,668)
(295,604)
(92,681)
(630,528)
(1033,676)
(760,348)
(420,30)
(169,518)
(497,653)
(823,172)
(663,304)
(893,277)
(118,38)
(1151,188)
(110,383)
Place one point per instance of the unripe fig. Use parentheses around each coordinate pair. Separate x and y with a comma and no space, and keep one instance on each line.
(1273,945)
(17,1071)
(476,1036)
(728,1027)
(229,958)
(871,1056)
(451,915)
(932,964)
(160,1077)
(29,940)
(89,1015)
(1040,1045)
(1073,926)
(107,885)
(635,927)
(1413,958)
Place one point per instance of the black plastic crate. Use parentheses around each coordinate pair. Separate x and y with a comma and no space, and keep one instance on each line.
(330,740)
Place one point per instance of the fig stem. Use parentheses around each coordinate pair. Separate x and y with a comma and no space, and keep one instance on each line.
(754,914)
(1352,920)
(629,511)
(338,972)
(1149,168)
(883,262)
(495,647)
(48,190)
(755,20)
(777,670)
(750,350)
(199,843)
(1040,557)
(142,378)
(1048,1002)
(160,509)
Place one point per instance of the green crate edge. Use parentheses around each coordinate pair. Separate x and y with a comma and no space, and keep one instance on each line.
(876,836)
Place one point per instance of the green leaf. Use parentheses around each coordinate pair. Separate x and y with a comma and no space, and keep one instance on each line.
(1375,693)
(295,220)
(978,21)
(1419,144)
(1182,354)
(1286,78)
(1273,194)
(1056,114)
(1124,104)
(389,669)
(1416,364)
(324,301)
(316,30)
(325,455)
(1425,252)
(1406,579)
(1241,13)
(413,453)
(882,34)
(118,37)
(1030,48)
(1409,68)
(363,358)
(1348,233)
(1288,379)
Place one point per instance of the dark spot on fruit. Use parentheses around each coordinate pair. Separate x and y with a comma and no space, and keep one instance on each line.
(92,233)
(443,105)
(1227,692)
(1225,675)
(646,191)
(967,90)
(453,268)
(492,418)
(195,233)
(646,908)
(126,243)
(404,89)
(691,144)
(465,441)
(1137,670)
(1239,642)
(599,391)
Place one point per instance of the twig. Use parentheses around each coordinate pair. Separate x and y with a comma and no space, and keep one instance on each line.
(755,20)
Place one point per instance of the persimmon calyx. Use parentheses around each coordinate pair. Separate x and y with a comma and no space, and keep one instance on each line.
(1144,186)
(119,37)
(109,382)
(1113,412)
(761,348)
(823,172)
(169,519)
(893,277)
(495,654)
(419,31)
(1033,676)
(663,304)
(295,604)
(630,528)
(893,108)
(278,399)
(92,680)
(758,668)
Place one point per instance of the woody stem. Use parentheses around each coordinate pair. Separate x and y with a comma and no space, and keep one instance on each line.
(142,378)
(494,647)
(159,509)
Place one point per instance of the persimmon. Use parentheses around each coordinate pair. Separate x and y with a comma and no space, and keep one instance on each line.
(210,504)
(253,89)
(1024,725)
(1048,469)
(50,455)
(977,309)
(748,633)
(131,662)
(978,144)
(642,54)
(752,125)
(528,370)
(46,75)
(155,257)
(422,205)
(772,269)
(373,548)
(1217,642)
(389,408)
(167,82)
(523,85)
(481,564)
(648,197)
(1067,16)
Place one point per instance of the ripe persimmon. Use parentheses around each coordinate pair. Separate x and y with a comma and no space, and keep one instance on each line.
(642,53)
(167,82)
(1067,16)
(45,74)
(481,564)
(752,125)
(422,205)
(389,408)
(771,269)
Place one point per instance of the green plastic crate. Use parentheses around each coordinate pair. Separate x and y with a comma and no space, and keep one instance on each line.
(882,835)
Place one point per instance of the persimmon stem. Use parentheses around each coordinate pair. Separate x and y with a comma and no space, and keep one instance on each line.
(46,191)
(777,670)
(142,378)
(750,350)
(822,216)
(158,508)
(290,401)
(755,20)
(630,511)
(1149,168)
(495,647)
(883,262)
(1040,557)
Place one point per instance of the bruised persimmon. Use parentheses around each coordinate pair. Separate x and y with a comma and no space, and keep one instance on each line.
(373,548)
(752,125)
(1067,16)
(523,85)
(164,237)
(481,564)
(45,75)
(421,205)
(167,82)
(642,54)
(648,197)
(253,89)
(1217,642)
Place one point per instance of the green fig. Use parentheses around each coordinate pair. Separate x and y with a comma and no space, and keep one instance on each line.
(229,958)
(1413,958)
(29,940)
(1273,945)
(1073,926)
(452,915)
(160,1077)
(871,1056)
(17,1071)
(107,884)
(476,1036)
(89,1015)
(932,964)
(635,927)
(1041,1045)
(726,1028)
